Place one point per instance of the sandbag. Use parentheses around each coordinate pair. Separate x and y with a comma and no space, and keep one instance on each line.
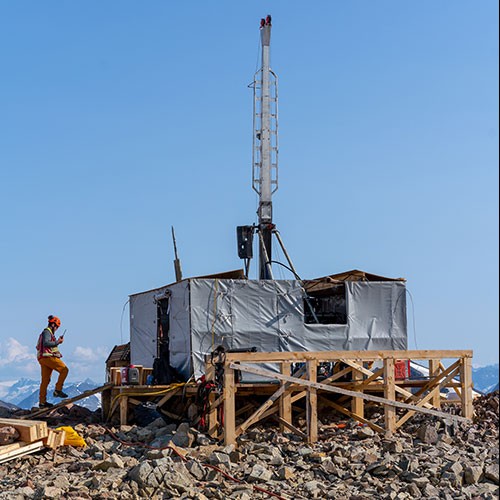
(72,437)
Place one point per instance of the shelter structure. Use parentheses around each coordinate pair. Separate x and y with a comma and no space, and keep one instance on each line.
(181,323)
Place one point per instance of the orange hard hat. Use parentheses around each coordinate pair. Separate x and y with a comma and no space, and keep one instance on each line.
(54,320)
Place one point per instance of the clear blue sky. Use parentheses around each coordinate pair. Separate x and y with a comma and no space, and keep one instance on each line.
(120,119)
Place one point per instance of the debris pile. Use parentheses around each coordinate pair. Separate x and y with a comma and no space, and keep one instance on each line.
(428,458)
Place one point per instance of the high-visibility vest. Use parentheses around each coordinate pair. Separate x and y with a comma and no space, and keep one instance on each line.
(47,352)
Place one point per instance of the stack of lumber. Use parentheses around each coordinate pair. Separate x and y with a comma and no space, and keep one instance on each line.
(33,436)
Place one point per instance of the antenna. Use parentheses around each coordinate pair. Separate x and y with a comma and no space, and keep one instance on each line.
(177,262)
(265,147)
(264,163)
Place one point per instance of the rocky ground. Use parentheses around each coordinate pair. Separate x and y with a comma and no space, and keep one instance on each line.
(429,458)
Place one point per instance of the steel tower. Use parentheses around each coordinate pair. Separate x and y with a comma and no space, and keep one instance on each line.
(265,147)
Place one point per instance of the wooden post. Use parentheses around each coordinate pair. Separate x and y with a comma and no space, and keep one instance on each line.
(123,409)
(434,369)
(389,393)
(229,406)
(286,398)
(312,403)
(357,404)
(466,382)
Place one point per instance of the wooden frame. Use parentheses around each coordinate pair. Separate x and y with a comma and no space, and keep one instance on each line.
(364,383)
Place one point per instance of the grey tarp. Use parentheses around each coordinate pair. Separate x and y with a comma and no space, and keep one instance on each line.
(267,315)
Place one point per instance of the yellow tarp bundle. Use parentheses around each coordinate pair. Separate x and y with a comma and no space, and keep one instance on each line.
(72,437)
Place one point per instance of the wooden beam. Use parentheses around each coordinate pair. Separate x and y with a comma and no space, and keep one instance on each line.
(255,417)
(229,406)
(312,402)
(29,430)
(168,396)
(67,402)
(23,450)
(289,426)
(466,380)
(357,404)
(389,394)
(327,356)
(350,414)
(370,374)
(434,369)
(339,390)
(432,394)
(286,399)
(123,409)
(433,382)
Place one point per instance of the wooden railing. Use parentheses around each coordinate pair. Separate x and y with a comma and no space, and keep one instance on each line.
(360,376)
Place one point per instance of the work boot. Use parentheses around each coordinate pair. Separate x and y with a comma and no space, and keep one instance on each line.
(60,394)
(45,405)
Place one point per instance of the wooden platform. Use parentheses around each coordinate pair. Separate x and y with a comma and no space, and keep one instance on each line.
(361,377)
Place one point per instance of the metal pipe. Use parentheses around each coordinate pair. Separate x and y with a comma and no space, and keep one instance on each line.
(280,241)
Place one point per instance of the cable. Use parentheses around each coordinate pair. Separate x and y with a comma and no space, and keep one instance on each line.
(184,459)
(287,267)
(413,319)
(121,321)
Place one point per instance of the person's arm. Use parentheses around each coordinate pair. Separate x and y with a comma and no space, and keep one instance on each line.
(47,339)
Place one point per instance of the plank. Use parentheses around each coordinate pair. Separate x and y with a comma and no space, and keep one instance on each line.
(338,390)
(5,448)
(312,402)
(229,393)
(390,395)
(23,450)
(68,401)
(325,356)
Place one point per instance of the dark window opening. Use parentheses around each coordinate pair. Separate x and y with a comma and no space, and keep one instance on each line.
(326,307)
(163,322)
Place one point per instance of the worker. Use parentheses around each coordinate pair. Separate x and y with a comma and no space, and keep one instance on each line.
(49,358)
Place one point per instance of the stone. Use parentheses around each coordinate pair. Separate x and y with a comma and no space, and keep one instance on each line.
(285,473)
(195,469)
(8,435)
(365,432)
(259,474)
(430,491)
(218,458)
(491,472)
(472,474)
(428,434)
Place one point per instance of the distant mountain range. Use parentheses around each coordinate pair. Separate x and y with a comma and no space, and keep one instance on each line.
(485,378)
(24,394)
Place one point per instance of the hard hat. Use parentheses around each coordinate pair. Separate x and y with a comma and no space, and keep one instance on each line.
(54,320)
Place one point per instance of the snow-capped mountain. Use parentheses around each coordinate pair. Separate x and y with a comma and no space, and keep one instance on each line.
(19,390)
(485,378)
(24,393)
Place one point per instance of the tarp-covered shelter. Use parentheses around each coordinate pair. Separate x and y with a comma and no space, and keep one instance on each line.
(184,321)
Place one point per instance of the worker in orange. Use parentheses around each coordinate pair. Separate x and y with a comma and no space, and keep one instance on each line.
(49,358)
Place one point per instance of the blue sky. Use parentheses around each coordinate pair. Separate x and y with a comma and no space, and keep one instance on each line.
(121,119)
